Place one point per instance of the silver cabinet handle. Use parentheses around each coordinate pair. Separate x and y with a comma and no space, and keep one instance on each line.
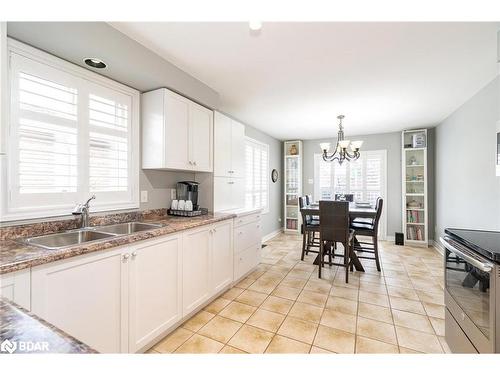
(134,254)
(258,226)
(240,233)
(125,257)
(483,266)
(194,162)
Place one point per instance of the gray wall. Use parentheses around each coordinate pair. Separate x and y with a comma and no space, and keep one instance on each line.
(387,141)
(467,191)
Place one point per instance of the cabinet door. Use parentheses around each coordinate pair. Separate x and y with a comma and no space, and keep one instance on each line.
(223,193)
(201,133)
(86,297)
(155,296)
(222,145)
(238,150)
(222,256)
(176,131)
(238,193)
(16,287)
(195,268)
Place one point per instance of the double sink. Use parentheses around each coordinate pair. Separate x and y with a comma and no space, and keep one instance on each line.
(90,234)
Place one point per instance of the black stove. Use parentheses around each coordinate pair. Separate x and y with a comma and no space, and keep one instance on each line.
(485,243)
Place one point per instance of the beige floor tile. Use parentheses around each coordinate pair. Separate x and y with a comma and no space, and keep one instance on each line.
(375,312)
(173,341)
(286,292)
(403,350)
(198,321)
(444,344)
(348,293)
(230,350)
(245,283)
(373,298)
(306,311)
(268,320)
(437,298)
(438,325)
(419,341)
(376,330)
(339,320)
(402,292)
(263,286)
(372,288)
(238,311)
(251,339)
(285,345)
(200,344)
(217,306)
(370,346)
(232,293)
(220,329)
(251,297)
(335,340)
(412,320)
(318,286)
(298,274)
(346,306)
(297,329)
(436,311)
(313,298)
(277,304)
(404,304)
(318,350)
(293,283)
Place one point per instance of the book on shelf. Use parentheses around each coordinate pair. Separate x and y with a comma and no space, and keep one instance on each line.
(414,216)
(414,233)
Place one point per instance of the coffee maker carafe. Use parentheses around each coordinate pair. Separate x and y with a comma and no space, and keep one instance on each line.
(188,191)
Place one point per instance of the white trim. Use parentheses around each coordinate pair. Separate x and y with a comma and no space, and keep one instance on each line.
(271,235)
(437,246)
(87,80)
(390,238)
(265,210)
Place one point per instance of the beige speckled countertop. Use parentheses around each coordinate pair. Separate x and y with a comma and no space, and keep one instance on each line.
(16,255)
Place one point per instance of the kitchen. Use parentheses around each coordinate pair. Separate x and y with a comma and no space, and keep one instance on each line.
(141,215)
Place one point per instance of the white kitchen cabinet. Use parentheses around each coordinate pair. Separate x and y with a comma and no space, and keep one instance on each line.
(16,287)
(222,256)
(155,296)
(247,243)
(229,193)
(196,268)
(177,133)
(86,297)
(229,155)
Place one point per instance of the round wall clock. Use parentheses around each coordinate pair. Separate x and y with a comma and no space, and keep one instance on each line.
(274,175)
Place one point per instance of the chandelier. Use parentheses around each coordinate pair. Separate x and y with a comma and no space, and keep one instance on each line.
(341,151)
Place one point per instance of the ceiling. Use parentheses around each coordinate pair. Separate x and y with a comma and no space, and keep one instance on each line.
(291,80)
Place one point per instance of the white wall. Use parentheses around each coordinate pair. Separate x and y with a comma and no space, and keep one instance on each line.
(467,190)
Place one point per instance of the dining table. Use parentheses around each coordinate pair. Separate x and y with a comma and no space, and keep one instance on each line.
(355,211)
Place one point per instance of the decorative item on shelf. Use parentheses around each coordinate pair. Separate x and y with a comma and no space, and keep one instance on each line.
(293,150)
(418,140)
(340,152)
(413,204)
(274,175)
(413,160)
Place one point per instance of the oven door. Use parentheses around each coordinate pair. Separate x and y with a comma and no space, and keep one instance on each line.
(469,294)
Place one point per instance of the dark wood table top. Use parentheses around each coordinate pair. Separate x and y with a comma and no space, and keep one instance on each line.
(354,211)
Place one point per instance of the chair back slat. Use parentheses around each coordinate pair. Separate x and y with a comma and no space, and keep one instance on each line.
(344,197)
(334,221)
(379,205)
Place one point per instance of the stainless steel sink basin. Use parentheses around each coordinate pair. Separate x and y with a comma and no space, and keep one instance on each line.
(127,228)
(70,238)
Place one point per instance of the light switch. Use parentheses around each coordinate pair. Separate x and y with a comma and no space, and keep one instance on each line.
(310,181)
(144,196)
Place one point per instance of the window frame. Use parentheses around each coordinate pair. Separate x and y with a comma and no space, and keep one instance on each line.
(265,209)
(86,79)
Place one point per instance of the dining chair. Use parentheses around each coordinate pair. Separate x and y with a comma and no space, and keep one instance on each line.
(309,199)
(333,228)
(369,230)
(344,197)
(367,220)
(310,227)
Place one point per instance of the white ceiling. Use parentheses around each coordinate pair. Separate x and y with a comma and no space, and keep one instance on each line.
(293,79)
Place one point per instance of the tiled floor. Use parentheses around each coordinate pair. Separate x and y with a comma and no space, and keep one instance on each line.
(283,307)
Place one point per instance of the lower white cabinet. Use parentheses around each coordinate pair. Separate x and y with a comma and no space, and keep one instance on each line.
(222,256)
(155,301)
(247,243)
(16,287)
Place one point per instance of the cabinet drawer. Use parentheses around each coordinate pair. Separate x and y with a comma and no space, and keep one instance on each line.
(246,260)
(243,220)
(247,235)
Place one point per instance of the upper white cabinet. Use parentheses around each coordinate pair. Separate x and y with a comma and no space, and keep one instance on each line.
(177,133)
(229,156)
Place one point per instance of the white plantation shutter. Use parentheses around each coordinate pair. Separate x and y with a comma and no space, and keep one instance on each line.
(69,138)
(257,173)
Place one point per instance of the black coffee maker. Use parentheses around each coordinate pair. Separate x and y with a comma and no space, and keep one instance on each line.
(188,191)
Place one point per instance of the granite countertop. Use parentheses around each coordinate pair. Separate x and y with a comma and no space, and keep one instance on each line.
(15,255)
(29,334)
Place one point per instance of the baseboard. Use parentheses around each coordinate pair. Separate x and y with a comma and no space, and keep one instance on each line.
(390,238)
(437,245)
(271,235)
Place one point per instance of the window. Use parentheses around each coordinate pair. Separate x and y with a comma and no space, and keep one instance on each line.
(365,178)
(257,173)
(72,134)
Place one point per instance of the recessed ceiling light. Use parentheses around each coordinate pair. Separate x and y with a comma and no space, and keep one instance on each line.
(255,25)
(95,63)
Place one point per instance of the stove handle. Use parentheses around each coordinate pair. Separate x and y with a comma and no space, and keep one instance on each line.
(483,266)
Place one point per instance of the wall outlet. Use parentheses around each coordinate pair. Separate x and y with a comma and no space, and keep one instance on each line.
(173,194)
(310,181)
(279,219)
(144,196)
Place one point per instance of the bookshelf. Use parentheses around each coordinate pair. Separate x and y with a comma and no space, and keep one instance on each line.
(414,180)
(293,185)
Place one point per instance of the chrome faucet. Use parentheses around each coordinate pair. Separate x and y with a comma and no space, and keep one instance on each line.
(83,209)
